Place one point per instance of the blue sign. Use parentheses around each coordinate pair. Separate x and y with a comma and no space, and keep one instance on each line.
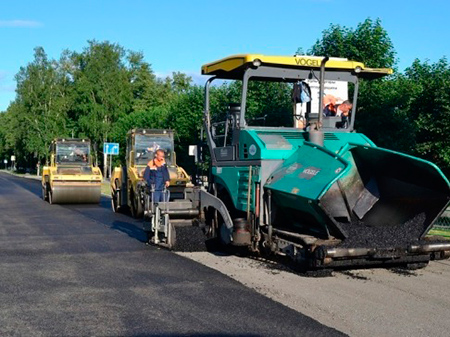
(111,148)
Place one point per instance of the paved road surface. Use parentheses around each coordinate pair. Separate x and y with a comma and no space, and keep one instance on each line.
(83,270)
(369,302)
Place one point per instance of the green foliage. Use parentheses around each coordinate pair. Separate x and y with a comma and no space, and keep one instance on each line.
(368,43)
(267,102)
(430,110)
(7,136)
(271,101)
(104,91)
(186,111)
(39,113)
(383,113)
(382,104)
(143,82)
(406,112)
(153,118)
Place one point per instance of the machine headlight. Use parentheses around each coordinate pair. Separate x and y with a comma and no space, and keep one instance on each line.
(256,62)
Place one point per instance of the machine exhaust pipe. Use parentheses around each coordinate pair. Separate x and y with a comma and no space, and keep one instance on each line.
(322,89)
(315,135)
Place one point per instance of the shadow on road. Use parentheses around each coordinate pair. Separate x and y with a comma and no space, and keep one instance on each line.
(129,229)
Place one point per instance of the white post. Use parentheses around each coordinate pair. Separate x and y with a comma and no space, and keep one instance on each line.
(105,164)
(110,164)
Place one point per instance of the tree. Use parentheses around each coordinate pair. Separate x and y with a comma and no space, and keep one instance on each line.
(144,85)
(407,112)
(381,111)
(267,102)
(102,89)
(368,43)
(8,136)
(186,112)
(153,118)
(39,112)
(430,110)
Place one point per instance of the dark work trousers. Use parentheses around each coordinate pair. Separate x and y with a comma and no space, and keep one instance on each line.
(158,195)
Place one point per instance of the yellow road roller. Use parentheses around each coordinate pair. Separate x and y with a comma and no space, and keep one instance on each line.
(71,177)
(127,182)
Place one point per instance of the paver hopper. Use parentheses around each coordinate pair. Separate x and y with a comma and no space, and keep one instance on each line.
(363,205)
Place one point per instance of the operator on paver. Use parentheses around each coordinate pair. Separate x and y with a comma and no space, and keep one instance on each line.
(156,175)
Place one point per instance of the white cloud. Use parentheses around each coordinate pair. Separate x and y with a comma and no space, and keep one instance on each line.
(20,23)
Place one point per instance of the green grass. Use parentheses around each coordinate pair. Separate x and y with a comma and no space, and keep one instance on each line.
(440,232)
(106,189)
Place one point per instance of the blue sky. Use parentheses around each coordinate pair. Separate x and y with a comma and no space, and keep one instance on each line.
(182,35)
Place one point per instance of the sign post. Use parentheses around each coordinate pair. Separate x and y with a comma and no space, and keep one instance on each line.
(111,149)
(5,161)
(13,164)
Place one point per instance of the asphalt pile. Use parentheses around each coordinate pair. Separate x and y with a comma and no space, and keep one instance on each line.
(189,239)
(362,235)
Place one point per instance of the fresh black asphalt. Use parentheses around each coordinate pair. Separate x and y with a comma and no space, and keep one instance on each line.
(82,270)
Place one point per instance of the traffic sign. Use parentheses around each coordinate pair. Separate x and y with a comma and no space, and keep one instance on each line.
(111,148)
(5,161)
(13,158)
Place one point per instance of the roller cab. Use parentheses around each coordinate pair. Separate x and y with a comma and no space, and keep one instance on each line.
(71,177)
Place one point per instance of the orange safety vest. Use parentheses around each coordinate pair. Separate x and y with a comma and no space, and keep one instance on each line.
(153,164)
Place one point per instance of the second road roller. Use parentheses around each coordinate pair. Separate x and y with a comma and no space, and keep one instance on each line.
(127,182)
